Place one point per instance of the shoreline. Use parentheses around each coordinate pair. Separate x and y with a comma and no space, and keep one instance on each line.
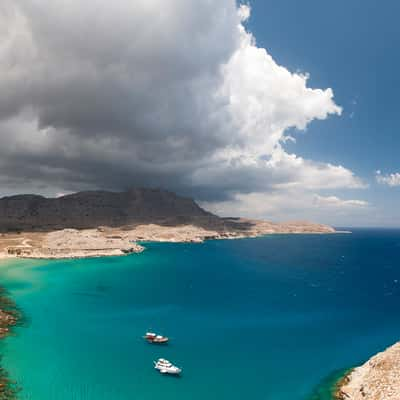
(337,388)
(10,316)
(377,378)
(117,241)
(327,388)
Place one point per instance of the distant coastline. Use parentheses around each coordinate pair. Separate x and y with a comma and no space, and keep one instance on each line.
(106,241)
(97,224)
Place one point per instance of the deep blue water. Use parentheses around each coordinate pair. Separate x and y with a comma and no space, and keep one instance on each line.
(266,318)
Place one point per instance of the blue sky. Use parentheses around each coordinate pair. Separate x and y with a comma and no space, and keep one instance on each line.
(353,47)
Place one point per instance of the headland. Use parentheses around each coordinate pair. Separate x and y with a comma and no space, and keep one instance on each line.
(99,223)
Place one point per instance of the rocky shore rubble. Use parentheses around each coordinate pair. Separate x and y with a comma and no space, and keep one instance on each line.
(9,317)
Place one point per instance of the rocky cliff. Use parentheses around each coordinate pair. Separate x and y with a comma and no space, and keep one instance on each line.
(377,379)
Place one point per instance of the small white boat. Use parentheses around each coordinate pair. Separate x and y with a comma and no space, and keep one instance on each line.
(166,367)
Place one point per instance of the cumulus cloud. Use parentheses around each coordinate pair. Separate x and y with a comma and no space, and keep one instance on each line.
(389,179)
(336,202)
(285,205)
(95,95)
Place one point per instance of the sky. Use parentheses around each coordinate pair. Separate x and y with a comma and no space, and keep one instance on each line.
(269,109)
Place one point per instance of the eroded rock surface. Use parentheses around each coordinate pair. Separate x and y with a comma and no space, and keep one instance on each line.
(377,379)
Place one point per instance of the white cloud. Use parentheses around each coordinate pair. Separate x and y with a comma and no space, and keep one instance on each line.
(336,202)
(280,172)
(244,11)
(291,205)
(264,99)
(126,95)
(389,179)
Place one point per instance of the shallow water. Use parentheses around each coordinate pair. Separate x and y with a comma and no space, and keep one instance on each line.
(266,318)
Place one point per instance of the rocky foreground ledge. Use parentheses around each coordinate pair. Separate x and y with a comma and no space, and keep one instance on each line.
(377,379)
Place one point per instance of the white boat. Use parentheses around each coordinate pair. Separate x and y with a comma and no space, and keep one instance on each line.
(166,367)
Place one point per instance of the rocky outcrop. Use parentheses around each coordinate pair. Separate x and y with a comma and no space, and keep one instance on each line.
(9,317)
(377,379)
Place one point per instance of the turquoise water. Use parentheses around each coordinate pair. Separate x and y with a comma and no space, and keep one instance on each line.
(267,318)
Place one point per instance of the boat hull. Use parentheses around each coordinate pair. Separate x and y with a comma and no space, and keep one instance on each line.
(167,368)
(157,341)
(169,372)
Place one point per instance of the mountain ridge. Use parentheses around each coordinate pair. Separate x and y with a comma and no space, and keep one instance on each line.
(102,223)
(90,209)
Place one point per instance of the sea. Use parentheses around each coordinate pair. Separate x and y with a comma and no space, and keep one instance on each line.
(274,318)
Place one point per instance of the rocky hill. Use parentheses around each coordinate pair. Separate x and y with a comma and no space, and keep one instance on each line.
(100,223)
(95,208)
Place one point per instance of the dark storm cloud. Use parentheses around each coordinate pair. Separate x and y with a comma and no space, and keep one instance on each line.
(170,93)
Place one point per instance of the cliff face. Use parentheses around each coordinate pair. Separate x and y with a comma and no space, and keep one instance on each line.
(92,209)
(377,379)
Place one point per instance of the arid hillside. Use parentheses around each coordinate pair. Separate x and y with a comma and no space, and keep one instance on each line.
(93,209)
(100,223)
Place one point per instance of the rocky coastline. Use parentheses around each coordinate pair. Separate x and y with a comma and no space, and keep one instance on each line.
(376,379)
(100,223)
(116,241)
(9,317)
